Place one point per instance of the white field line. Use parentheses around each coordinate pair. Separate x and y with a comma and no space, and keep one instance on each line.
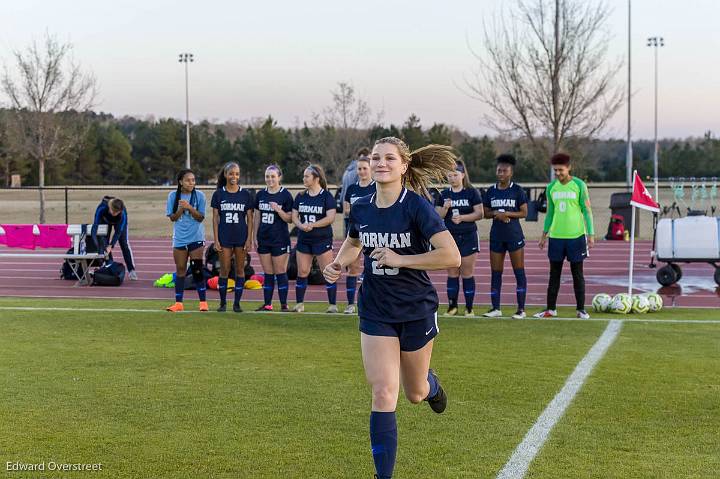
(318,313)
(526,451)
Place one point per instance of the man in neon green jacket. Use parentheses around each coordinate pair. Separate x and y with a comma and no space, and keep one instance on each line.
(569,225)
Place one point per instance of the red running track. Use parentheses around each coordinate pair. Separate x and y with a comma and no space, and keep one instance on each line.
(606,271)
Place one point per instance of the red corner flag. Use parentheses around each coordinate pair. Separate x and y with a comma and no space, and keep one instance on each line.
(641,196)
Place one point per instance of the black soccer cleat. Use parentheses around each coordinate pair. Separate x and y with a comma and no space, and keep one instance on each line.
(438,402)
(221,308)
(237,308)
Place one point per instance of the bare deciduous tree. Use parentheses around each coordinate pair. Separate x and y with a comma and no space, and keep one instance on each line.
(544,75)
(342,128)
(46,90)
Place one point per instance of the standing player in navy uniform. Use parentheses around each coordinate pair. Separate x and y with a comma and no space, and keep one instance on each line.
(461,206)
(365,186)
(506,202)
(394,228)
(314,213)
(232,230)
(273,207)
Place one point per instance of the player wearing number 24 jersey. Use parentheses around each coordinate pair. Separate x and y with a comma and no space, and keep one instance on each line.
(232,209)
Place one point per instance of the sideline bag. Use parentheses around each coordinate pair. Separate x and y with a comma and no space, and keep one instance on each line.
(109,274)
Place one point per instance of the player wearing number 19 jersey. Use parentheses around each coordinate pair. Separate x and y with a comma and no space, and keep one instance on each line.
(313,214)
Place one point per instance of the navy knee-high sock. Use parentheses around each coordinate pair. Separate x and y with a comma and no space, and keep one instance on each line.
(453,285)
(495,288)
(434,386)
(383,440)
(179,288)
(239,288)
(300,286)
(469,291)
(331,289)
(222,289)
(202,291)
(282,282)
(521,289)
(268,288)
(350,286)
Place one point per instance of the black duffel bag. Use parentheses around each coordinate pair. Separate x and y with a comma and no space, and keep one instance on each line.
(109,274)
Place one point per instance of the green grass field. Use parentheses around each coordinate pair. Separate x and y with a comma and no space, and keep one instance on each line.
(257,395)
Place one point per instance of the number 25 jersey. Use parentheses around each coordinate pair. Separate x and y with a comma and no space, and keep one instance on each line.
(395,295)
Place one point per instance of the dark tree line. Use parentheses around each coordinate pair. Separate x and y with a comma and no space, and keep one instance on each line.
(136,151)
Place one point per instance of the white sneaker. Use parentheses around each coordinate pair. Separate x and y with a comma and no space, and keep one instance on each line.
(332,309)
(349,309)
(299,308)
(582,314)
(132,275)
(520,314)
(493,313)
(469,313)
(548,313)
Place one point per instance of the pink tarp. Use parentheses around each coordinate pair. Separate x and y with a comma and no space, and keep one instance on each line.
(53,236)
(19,236)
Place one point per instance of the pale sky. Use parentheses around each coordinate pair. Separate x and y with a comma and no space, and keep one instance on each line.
(255,58)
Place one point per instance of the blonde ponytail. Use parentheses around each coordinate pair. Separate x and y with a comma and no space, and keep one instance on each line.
(432,162)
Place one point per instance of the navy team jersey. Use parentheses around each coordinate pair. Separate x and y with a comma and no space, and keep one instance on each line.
(232,209)
(510,199)
(355,192)
(462,204)
(273,230)
(311,209)
(395,295)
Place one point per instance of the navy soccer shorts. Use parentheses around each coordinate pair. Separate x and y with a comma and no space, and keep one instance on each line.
(229,242)
(273,250)
(190,246)
(314,249)
(509,246)
(413,335)
(575,250)
(467,243)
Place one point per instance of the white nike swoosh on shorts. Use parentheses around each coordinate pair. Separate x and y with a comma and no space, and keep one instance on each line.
(429,331)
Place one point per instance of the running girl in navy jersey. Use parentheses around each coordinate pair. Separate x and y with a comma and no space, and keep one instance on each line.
(365,186)
(232,230)
(461,206)
(313,213)
(274,212)
(186,209)
(506,202)
(394,228)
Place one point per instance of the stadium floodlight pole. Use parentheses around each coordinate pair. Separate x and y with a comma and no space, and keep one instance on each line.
(655,43)
(628,157)
(187,58)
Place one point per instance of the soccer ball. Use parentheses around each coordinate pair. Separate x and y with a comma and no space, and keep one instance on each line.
(621,304)
(656,302)
(640,304)
(601,303)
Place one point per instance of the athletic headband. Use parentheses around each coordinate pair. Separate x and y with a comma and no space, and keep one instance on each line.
(276,168)
(459,167)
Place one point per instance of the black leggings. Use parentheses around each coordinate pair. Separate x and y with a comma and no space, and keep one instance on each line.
(554,284)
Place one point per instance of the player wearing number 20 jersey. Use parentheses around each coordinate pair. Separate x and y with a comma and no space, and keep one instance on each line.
(396,295)
(232,209)
(272,235)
